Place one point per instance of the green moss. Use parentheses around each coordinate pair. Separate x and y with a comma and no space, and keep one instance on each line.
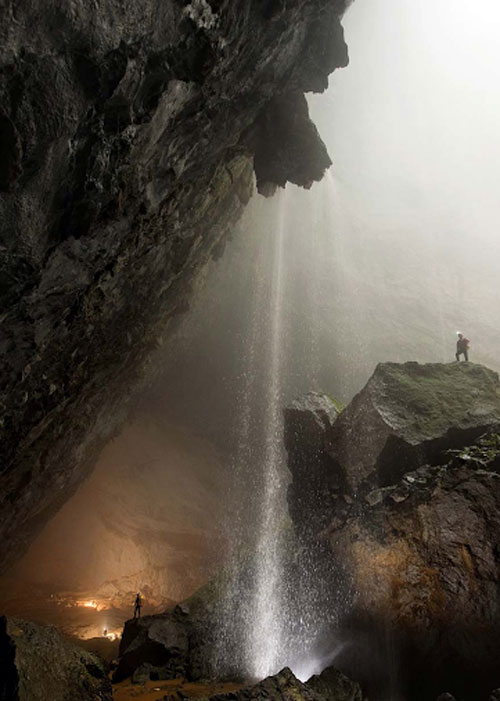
(480,454)
(336,403)
(432,397)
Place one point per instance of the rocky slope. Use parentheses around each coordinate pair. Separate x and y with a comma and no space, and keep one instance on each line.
(37,664)
(128,134)
(407,481)
(332,685)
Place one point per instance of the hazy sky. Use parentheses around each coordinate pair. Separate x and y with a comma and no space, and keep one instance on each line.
(412,126)
(413,122)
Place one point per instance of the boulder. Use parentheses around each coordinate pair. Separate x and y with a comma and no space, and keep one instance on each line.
(413,528)
(38,664)
(283,686)
(177,643)
(427,569)
(333,685)
(307,421)
(153,647)
(148,672)
(408,414)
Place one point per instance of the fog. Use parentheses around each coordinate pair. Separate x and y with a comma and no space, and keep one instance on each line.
(412,125)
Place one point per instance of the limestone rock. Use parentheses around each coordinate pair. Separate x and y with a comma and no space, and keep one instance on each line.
(333,685)
(417,541)
(308,418)
(409,414)
(287,145)
(37,664)
(154,647)
(127,133)
(307,422)
(283,686)
(427,570)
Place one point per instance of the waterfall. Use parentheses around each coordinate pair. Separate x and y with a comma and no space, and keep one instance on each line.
(266,626)
(250,627)
(269,616)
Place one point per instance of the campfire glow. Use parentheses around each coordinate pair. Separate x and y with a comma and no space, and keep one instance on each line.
(113,635)
(91,604)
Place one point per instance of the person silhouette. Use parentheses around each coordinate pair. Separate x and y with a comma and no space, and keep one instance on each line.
(462,346)
(137,605)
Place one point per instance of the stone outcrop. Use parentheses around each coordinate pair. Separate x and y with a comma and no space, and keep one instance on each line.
(423,557)
(287,146)
(127,137)
(154,647)
(284,686)
(307,422)
(177,643)
(333,685)
(37,664)
(419,553)
(409,414)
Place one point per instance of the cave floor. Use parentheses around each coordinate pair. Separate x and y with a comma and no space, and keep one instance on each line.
(172,689)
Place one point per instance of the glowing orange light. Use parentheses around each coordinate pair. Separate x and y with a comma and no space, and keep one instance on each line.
(91,604)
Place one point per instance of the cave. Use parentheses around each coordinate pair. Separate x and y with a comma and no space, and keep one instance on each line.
(238,242)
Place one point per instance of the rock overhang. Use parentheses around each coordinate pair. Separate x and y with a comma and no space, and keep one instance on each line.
(129,133)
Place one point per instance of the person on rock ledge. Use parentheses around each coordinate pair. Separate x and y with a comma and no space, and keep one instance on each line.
(462,346)
(137,606)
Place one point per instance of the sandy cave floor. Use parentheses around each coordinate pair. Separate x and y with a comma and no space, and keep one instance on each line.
(172,690)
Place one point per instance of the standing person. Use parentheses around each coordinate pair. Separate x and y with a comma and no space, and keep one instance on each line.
(137,606)
(462,346)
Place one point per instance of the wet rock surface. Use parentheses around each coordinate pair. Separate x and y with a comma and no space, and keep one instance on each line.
(419,555)
(307,422)
(127,134)
(409,414)
(37,664)
(333,685)
(330,686)
(177,643)
(154,647)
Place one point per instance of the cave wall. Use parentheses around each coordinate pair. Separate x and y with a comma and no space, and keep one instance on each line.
(148,519)
(127,136)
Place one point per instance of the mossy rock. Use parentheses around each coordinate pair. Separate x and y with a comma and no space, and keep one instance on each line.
(408,414)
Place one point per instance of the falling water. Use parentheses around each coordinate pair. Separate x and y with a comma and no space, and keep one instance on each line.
(230,653)
(249,639)
(269,615)
(266,631)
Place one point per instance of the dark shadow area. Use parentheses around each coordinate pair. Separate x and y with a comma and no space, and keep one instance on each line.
(397,664)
